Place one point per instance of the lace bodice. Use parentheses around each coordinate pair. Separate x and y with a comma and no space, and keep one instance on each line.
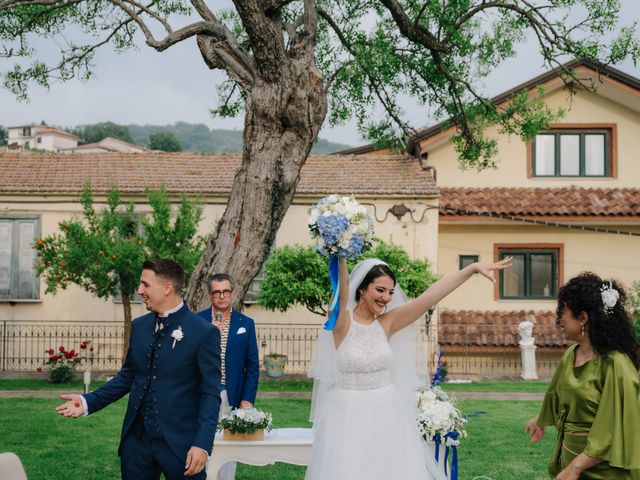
(364,357)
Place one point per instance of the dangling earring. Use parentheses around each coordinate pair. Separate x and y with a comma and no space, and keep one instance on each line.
(582,329)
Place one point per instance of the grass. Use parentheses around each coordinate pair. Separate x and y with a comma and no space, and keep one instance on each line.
(497,386)
(295,385)
(87,448)
(38,384)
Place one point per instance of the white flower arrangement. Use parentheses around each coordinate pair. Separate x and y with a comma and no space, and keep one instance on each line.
(241,420)
(609,296)
(341,226)
(438,418)
(177,336)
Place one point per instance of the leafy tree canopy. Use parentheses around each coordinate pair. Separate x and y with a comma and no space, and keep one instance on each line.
(296,275)
(3,136)
(103,251)
(370,52)
(165,141)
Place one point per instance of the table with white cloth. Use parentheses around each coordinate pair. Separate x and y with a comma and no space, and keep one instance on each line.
(288,445)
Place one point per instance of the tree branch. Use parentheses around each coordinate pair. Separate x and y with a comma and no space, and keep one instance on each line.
(411,30)
(203,10)
(265,36)
(376,86)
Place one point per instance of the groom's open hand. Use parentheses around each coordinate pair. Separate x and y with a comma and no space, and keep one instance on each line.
(196,461)
(72,408)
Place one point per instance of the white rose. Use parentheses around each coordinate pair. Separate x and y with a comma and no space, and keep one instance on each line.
(177,334)
(610,297)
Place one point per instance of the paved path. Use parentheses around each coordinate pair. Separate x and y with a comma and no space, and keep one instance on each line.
(307,395)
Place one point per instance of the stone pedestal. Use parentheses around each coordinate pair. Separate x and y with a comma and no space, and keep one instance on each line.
(528,362)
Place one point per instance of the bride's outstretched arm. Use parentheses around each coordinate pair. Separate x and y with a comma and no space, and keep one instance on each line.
(409,313)
(342,322)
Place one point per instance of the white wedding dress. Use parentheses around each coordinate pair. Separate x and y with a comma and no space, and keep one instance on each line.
(367,432)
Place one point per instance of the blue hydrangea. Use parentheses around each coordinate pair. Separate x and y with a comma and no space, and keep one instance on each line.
(332,227)
(354,250)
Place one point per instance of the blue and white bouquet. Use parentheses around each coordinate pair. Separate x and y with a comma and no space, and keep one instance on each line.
(341,226)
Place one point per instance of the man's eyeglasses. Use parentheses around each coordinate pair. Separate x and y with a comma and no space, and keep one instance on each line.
(221,293)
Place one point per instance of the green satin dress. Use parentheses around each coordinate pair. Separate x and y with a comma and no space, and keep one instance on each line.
(599,398)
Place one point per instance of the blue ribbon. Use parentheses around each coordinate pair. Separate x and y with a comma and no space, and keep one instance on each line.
(454,454)
(334,308)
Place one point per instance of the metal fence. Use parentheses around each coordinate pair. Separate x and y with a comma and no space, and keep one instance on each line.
(23,345)
(484,350)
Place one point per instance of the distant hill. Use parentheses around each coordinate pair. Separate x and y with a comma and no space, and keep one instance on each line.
(199,138)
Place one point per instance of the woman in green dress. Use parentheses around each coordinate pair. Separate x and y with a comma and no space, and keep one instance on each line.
(593,397)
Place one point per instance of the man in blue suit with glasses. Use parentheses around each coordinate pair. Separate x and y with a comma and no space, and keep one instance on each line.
(239,350)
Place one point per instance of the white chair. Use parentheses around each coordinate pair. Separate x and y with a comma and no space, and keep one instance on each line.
(11,467)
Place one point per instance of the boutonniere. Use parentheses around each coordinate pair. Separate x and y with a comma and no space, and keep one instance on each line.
(177,335)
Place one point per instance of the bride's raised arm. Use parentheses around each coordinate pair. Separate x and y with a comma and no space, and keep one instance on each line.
(407,314)
(342,322)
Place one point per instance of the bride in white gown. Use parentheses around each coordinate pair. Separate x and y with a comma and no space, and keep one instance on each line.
(366,376)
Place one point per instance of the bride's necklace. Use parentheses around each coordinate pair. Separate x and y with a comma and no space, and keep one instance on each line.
(375,316)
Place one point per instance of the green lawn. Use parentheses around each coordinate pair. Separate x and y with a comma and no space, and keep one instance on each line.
(86,448)
(275,385)
(35,384)
(497,386)
(296,385)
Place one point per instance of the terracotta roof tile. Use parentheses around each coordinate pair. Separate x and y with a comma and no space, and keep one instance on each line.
(205,173)
(571,201)
(496,328)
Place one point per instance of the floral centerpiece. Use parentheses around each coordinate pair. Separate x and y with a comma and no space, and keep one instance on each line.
(341,226)
(244,424)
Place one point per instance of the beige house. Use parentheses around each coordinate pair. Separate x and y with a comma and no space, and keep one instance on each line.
(38,191)
(39,137)
(108,144)
(567,202)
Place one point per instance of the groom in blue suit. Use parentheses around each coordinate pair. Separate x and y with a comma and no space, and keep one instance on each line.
(172,376)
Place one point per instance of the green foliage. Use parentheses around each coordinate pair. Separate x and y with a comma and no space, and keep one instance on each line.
(199,138)
(372,54)
(244,421)
(634,305)
(3,136)
(99,131)
(103,252)
(296,275)
(165,141)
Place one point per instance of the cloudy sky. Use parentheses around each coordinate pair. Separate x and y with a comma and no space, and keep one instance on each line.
(147,87)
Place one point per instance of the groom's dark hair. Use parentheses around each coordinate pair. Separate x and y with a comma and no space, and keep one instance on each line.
(375,272)
(168,269)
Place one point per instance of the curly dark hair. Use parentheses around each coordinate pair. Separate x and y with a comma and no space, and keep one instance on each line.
(608,330)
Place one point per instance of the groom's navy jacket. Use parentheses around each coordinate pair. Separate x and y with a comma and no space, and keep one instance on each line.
(242,366)
(182,381)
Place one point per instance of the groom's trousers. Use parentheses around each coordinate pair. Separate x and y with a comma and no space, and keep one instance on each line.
(144,457)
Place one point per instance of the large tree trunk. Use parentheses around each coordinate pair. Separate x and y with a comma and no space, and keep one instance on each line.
(126,306)
(282,121)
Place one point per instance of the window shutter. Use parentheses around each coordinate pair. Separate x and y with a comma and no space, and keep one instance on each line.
(26,256)
(6,231)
